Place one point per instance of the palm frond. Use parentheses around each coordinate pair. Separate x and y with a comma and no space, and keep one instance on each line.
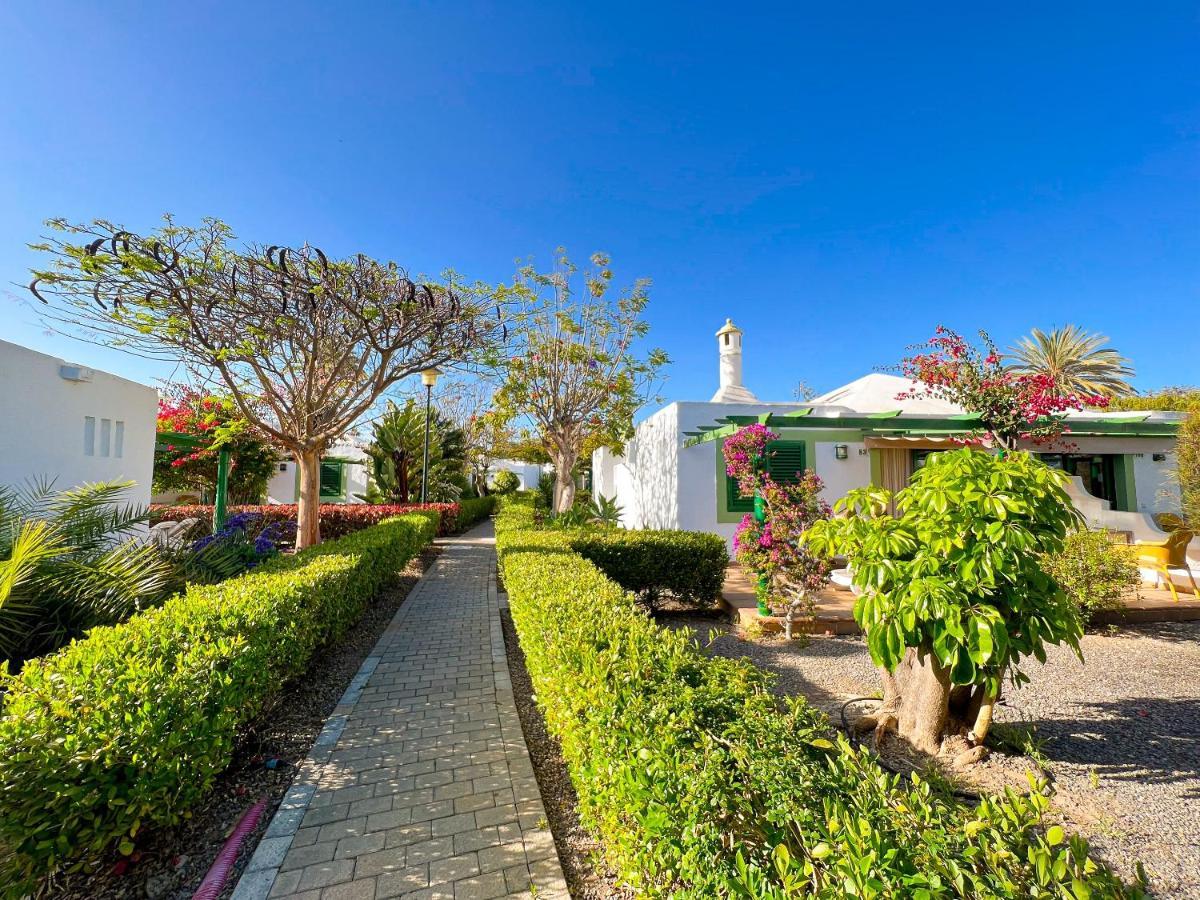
(1080,362)
(36,544)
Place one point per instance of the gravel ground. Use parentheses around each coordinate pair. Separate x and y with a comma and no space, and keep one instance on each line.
(170,862)
(1119,734)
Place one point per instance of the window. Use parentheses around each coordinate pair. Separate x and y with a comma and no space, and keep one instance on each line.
(331,478)
(283,467)
(920,457)
(119,439)
(105,436)
(89,435)
(785,465)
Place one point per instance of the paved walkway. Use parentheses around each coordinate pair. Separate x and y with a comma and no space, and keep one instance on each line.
(420,784)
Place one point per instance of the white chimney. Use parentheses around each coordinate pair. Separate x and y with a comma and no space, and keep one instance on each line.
(729,345)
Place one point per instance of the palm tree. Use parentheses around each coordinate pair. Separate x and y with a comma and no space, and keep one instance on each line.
(397,454)
(69,561)
(1077,360)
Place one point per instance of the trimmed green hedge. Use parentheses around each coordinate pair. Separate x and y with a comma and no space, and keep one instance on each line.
(700,783)
(130,726)
(473,510)
(688,565)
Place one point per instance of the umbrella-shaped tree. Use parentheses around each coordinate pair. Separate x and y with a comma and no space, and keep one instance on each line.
(304,344)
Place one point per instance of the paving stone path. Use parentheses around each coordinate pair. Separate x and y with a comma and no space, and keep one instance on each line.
(420,784)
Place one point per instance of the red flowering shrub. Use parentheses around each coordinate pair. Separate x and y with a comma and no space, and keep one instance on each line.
(1011,406)
(337,519)
(186,410)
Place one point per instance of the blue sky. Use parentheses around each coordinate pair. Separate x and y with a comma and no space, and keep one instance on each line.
(837,179)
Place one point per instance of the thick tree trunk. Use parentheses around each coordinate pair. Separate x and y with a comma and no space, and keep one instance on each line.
(564,479)
(308,513)
(924,708)
(400,466)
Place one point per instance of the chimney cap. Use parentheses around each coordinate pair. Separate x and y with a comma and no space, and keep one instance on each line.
(729,328)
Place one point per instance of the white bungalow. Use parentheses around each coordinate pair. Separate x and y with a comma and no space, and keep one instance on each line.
(672,473)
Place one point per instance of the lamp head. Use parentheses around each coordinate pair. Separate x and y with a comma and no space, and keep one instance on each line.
(429,376)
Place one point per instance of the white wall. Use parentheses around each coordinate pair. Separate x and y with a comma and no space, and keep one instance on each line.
(281,488)
(841,475)
(662,484)
(43,425)
(528,473)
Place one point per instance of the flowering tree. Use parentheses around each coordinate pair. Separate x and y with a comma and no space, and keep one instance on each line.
(304,344)
(485,433)
(573,373)
(1012,406)
(770,544)
(185,409)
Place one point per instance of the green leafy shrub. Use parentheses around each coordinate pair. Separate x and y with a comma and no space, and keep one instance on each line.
(688,565)
(129,727)
(69,561)
(952,593)
(506,482)
(473,510)
(1093,572)
(700,783)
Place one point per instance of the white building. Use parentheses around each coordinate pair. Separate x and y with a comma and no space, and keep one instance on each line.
(72,424)
(527,473)
(672,474)
(345,476)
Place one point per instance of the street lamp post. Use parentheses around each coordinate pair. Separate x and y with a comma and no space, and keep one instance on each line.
(429,378)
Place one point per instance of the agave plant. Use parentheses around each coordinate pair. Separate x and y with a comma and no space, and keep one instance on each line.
(70,560)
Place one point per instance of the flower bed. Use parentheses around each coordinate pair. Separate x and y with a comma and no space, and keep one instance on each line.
(130,726)
(340,519)
(700,783)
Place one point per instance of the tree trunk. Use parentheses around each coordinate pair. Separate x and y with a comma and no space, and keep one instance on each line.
(564,483)
(308,513)
(924,708)
(400,466)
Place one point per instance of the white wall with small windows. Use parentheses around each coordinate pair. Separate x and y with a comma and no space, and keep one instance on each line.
(64,422)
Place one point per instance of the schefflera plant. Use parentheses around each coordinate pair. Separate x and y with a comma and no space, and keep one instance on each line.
(953,594)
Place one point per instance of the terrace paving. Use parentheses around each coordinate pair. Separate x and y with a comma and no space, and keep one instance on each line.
(420,784)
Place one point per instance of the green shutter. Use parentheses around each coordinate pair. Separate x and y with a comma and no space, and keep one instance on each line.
(734,501)
(785,465)
(786,462)
(331,479)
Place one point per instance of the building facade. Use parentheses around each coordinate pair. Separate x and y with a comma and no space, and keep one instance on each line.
(72,425)
(672,473)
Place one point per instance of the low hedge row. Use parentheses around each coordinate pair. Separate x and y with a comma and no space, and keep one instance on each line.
(700,783)
(688,565)
(130,726)
(340,519)
(473,510)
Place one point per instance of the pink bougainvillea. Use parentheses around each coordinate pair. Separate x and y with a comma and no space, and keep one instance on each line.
(1011,406)
(771,548)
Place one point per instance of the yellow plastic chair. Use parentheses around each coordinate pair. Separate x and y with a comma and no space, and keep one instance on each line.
(1168,555)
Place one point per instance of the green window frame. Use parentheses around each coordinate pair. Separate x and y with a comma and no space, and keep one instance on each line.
(331,479)
(785,464)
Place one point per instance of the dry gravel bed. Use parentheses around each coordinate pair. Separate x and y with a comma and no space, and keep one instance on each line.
(1119,733)
(171,862)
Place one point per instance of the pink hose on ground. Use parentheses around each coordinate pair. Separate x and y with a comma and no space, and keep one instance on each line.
(214,882)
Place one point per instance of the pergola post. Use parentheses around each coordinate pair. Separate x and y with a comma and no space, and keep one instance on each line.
(221,501)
